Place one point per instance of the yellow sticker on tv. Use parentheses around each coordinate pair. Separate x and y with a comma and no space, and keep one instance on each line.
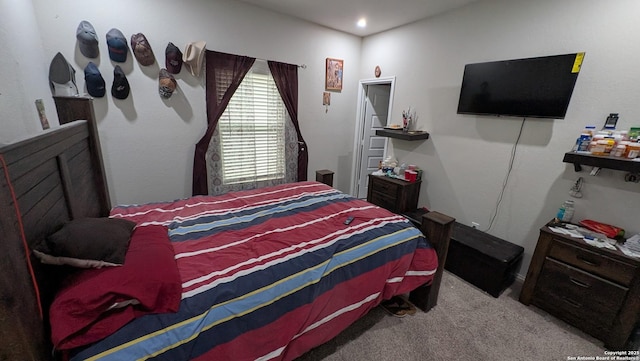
(577,63)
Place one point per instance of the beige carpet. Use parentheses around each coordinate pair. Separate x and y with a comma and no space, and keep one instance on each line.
(467,324)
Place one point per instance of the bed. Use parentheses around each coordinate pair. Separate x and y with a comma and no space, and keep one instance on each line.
(265,274)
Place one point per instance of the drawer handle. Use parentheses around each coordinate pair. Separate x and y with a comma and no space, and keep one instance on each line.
(579,283)
(572,302)
(590,263)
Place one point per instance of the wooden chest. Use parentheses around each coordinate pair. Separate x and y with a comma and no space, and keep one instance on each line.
(486,261)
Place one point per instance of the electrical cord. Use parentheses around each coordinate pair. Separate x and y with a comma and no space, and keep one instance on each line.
(506,178)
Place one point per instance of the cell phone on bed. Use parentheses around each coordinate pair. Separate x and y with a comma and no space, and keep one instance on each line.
(348,220)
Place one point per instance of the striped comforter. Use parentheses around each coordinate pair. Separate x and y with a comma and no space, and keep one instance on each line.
(269,274)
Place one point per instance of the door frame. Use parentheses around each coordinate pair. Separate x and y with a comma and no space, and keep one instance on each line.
(359,128)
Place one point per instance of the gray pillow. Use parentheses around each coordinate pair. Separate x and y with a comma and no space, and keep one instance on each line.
(98,239)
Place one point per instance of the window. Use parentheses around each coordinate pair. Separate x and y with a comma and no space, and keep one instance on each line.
(252,130)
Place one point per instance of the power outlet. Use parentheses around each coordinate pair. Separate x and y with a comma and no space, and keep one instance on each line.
(475,224)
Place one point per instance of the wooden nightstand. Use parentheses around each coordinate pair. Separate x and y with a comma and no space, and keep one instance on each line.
(594,289)
(396,195)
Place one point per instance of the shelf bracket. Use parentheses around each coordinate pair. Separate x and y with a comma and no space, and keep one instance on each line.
(577,167)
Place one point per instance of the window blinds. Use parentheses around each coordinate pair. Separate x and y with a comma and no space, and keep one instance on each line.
(252,130)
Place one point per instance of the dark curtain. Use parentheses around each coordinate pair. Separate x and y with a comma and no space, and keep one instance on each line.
(224,73)
(286,79)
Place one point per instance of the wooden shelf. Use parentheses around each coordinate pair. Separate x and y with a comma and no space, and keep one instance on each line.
(580,159)
(399,134)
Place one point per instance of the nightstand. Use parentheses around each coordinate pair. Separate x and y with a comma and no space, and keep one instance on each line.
(594,289)
(394,194)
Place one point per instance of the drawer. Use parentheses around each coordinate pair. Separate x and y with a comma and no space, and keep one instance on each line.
(582,299)
(384,201)
(383,186)
(592,262)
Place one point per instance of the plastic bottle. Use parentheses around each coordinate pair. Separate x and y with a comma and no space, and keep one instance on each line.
(583,142)
(589,129)
(633,150)
(619,150)
(565,213)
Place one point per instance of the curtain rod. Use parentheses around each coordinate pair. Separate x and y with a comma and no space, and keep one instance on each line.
(303,66)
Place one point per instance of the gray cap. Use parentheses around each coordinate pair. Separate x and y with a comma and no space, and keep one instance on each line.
(62,77)
(87,39)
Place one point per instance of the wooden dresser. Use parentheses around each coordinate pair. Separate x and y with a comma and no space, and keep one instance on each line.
(396,195)
(594,289)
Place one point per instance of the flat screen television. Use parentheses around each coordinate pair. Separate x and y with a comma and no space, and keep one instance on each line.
(538,87)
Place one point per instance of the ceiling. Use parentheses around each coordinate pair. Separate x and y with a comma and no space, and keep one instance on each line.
(342,15)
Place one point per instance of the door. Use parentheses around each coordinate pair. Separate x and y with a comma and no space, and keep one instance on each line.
(376,110)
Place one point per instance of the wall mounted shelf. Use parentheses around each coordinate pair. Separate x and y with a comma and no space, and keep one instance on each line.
(580,159)
(399,134)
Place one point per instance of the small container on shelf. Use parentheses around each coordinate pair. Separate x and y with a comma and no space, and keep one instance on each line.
(633,150)
(619,150)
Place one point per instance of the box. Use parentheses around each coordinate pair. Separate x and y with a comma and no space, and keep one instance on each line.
(486,261)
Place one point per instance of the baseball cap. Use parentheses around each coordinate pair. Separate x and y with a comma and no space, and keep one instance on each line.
(142,49)
(94,80)
(120,88)
(87,39)
(173,59)
(117,44)
(62,77)
(167,83)
(194,56)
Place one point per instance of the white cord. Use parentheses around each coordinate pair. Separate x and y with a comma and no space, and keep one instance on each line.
(506,178)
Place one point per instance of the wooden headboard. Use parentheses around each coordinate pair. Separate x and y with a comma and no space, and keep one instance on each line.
(45,181)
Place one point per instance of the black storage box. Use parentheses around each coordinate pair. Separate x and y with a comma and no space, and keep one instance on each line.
(486,261)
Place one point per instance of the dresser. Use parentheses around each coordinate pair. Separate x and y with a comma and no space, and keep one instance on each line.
(396,195)
(594,289)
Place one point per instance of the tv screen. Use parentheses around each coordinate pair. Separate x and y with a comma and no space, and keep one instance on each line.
(538,87)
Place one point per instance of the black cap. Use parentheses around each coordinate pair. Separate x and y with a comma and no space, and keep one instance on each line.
(120,88)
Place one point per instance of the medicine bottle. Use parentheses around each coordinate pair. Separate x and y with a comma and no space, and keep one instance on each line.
(565,213)
(589,129)
(618,150)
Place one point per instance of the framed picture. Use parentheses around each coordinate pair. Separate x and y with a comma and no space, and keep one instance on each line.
(326,98)
(333,79)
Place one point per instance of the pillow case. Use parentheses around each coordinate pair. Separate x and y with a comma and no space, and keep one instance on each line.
(100,239)
(70,261)
(94,303)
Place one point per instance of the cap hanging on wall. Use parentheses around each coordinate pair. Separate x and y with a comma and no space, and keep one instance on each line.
(117,45)
(120,88)
(62,77)
(94,81)
(173,59)
(142,49)
(167,84)
(87,39)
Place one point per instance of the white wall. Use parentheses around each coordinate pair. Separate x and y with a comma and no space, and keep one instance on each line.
(466,158)
(21,69)
(148,142)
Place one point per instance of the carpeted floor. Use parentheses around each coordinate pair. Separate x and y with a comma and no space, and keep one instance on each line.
(467,324)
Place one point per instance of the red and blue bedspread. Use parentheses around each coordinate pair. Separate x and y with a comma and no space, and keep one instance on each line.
(269,274)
